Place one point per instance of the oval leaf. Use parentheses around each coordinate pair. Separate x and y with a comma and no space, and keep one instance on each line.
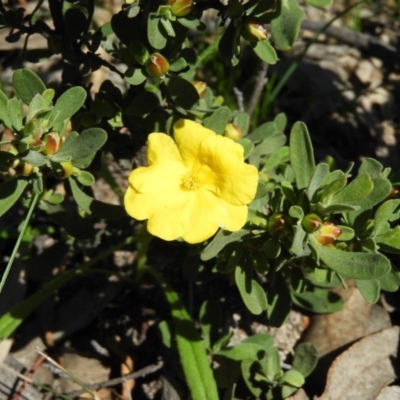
(301,155)
(354,265)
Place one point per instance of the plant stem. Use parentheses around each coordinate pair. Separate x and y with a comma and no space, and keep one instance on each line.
(19,240)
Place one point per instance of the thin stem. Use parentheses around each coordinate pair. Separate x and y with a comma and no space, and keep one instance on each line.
(19,240)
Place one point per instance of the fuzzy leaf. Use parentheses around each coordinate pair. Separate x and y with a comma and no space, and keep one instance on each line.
(27,85)
(265,52)
(390,241)
(285,28)
(252,293)
(68,104)
(82,148)
(301,155)
(354,264)
(370,289)
(10,192)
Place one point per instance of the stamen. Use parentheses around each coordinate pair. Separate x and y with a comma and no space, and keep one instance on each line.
(188,182)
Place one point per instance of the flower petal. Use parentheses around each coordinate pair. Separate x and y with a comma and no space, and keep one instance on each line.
(188,136)
(158,177)
(209,213)
(171,221)
(162,149)
(224,172)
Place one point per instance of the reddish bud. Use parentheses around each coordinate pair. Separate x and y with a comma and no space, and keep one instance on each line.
(180,8)
(311,223)
(253,30)
(201,88)
(278,225)
(36,144)
(233,132)
(52,143)
(157,65)
(24,168)
(328,233)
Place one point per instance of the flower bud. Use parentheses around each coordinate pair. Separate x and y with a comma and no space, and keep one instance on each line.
(180,8)
(311,223)
(233,132)
(328,233)
(36,144)
(201,88)
(157,65)
(253,30)
(24,168)
(52,143)
(278,225)
(64,169)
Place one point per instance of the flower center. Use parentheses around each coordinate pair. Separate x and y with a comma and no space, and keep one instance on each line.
(188,182)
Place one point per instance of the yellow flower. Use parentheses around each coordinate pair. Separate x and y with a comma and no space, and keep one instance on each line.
(192,186)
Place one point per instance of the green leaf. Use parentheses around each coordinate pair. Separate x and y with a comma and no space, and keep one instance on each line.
(4,117)
(305,358)
(297,246)
(318,300)
(82,148)
(182,92)
(95,208)
(272,363)
(301,155)
(37,105)
(10,192)
(381,190)
(390,241)
(354,264)
(218,120)
(285,28)
(15,113)
(134,76)
(293,378)
(243,351)
(369,289)
(252,293)
(265,52)
(220,240)
(321,171)
(280,121)
(156,32)
(27,85)
(347,233)
(390,282)
(383,215)
(372,167)
(34,158)
(263,132)
(166,23)
(68,104)
(247,145)
(242,120)
(356,190)
(178,65)
(85,178)
(198,373)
